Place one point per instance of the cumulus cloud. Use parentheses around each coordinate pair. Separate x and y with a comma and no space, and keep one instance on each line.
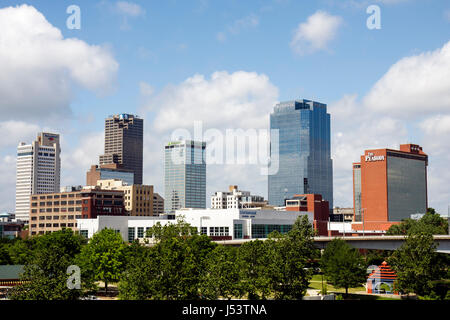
(410,101)
(39,67)
(14,132)
(237,100)
(7,187)
(77,157)
(414,86)
(316,33)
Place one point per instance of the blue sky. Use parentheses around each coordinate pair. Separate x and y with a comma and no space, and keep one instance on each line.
(159,45)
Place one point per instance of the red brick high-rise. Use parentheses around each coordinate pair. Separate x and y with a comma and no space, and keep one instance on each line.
(389,186)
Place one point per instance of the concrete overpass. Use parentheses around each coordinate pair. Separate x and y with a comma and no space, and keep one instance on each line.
(364,242)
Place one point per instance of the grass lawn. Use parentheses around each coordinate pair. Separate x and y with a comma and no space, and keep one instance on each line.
(316,283)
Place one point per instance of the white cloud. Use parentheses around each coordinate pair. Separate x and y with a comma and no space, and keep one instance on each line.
(391,1)
(447,15)
(237,100)
(414,86)
(249,21)
(239,25)
(129,9)
(39,67)
(14,132)
(411,100)
(77,158)
(8,185)
(438,125)
(145,89)
(316,33)
(221,36)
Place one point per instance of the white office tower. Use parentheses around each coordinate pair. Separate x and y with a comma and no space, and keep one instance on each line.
(38,171)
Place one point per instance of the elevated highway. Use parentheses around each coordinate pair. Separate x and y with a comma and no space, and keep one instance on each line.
(382,242)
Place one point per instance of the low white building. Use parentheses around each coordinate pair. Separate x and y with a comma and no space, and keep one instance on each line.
(219,224)
(233,224)
(236,199)
(129,227)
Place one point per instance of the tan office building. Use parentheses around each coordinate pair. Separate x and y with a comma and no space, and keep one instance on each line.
(54,211)
(138,197)
(158,204)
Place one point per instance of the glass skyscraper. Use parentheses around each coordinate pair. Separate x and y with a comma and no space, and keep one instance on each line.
(184,175)
(304,151)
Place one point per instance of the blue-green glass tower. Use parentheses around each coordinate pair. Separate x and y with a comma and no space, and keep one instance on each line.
(184,175)
(304,151)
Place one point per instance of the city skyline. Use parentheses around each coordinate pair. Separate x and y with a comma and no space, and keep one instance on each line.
(228,78)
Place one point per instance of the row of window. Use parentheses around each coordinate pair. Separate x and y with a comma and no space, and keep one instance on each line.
(57,203)
(57,196)
(54,225)
(71,209)
(69,217)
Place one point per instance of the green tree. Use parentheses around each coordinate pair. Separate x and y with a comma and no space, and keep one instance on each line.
(431,223)
(139,280)
(222,275)
(21,251)
(103,258)
(173,267)
(375,257)
(290,255)
(46,271)
(417,264)
(342,265)
(253,258)
(4,253)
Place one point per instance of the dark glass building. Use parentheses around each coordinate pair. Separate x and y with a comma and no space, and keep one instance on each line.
(303,151)
(124,138)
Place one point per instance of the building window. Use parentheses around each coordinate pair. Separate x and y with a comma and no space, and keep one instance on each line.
(263,230)
(84,233)
(204,230)
(140,232)
(238,231)
(131,234)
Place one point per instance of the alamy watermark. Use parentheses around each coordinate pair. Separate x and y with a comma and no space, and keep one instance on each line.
(74,20)
(74,280)
(232,146)
(374,20)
